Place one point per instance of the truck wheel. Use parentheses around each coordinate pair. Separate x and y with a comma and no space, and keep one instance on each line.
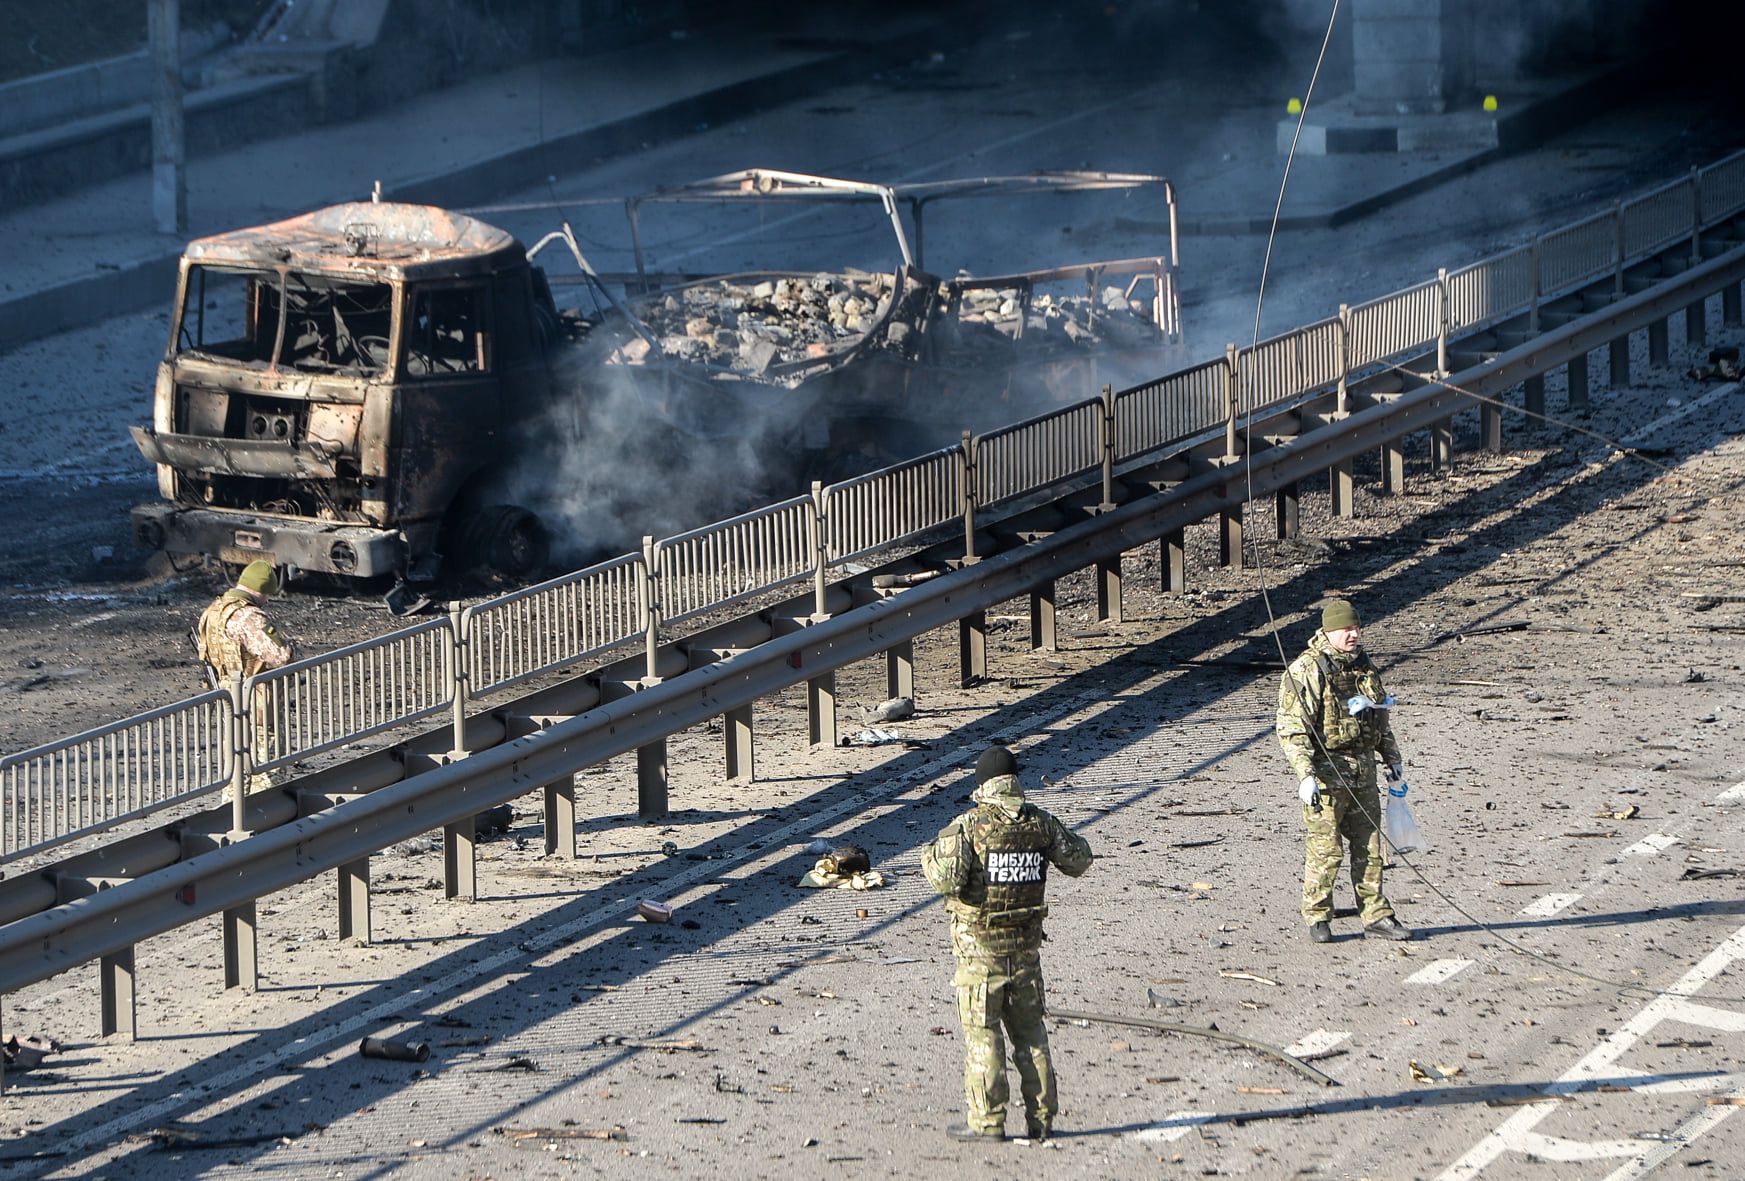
(507,540)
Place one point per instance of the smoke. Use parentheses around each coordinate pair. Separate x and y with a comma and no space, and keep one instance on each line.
(627,452)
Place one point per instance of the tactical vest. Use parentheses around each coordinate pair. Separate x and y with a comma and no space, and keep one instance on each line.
(1341,682)
(1008,877)
(214,644)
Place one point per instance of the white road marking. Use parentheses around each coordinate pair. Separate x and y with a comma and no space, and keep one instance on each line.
(1732,795)
(1438,972)
(1649,845)
(1318,1042)
(1550,905)
(1703,1121)
(1559,1148)
(1174,1126)
(1516,1133)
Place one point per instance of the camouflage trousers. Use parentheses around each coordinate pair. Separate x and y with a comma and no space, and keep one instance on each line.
(1350,811)
(995,991)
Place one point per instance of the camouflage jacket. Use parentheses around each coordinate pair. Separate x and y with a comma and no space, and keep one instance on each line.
(1313,716)
(991,863)
(235,636)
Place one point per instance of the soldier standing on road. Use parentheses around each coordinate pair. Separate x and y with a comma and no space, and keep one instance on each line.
(235,636)
(1333,723)
(991,863)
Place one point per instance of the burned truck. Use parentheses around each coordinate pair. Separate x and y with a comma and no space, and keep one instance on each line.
(346,392)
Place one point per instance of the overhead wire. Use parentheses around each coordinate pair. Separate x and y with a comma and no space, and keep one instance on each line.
(1622,987)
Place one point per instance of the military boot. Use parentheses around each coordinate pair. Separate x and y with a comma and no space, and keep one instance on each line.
(1036,1130)
(1321,932)
(1389,928)
(965,1132)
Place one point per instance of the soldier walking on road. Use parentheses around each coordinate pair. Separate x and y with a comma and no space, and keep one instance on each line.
(1333,723)
(234,636)
(991,863)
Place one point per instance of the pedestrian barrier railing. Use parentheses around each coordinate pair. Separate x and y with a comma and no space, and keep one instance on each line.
(555,624)
(879,509)
(1490,290)
(1179,406)
(98,779)
(1038,452)
(1657,219)
(326,701)
(733,560)
(90,781)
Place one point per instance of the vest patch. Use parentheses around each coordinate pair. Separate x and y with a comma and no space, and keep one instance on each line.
(1013,868)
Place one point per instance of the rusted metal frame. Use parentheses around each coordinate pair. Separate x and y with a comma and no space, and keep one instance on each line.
(88,928)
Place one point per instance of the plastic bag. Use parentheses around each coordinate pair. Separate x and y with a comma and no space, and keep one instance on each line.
(1398,823)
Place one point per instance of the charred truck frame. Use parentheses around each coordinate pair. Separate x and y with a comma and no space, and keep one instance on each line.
(342,389)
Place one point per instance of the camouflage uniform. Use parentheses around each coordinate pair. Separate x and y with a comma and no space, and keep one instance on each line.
(991,864)
(1322,738)
(235,636)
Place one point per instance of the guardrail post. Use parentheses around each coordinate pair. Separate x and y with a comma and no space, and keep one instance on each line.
(651,776)
(1108,449)
(1578,382)
(972,649)
(821,551)
(821,710)
(967,472)
(460,847)
(1442,442)
(1230,537)
(1444,317)
(1730,306)
(115,981)
(354,901)
(1172,561)
(1288,510)
(241,758)
(1043,637)
(560,817)
(900,670)
(1659,349)
(242,964)
(1232,400)
(1342,396)
(1696,328)
(1618,353)
(740,754)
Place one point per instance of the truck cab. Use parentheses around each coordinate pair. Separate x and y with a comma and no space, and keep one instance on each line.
(340,388)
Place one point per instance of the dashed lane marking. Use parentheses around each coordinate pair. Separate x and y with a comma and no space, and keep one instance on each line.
(1318,1042)
(1732,795)
(1516,1133)
(1550,905)
(1439,972)
(1174,1126)
(1649,845)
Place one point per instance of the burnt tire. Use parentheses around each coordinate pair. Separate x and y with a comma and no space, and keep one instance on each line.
(507,541)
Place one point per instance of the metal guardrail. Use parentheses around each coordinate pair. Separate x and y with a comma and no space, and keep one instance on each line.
(87,782)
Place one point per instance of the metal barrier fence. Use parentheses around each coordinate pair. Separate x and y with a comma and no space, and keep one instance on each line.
(1038,452)
(880,509)
(1491,290)
(733,560)
(351,693)
(93,780)
(545,627)
(1179,406)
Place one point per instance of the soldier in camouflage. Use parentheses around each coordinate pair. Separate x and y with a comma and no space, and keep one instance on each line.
(991,863)
(1333,724)
(234,636)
